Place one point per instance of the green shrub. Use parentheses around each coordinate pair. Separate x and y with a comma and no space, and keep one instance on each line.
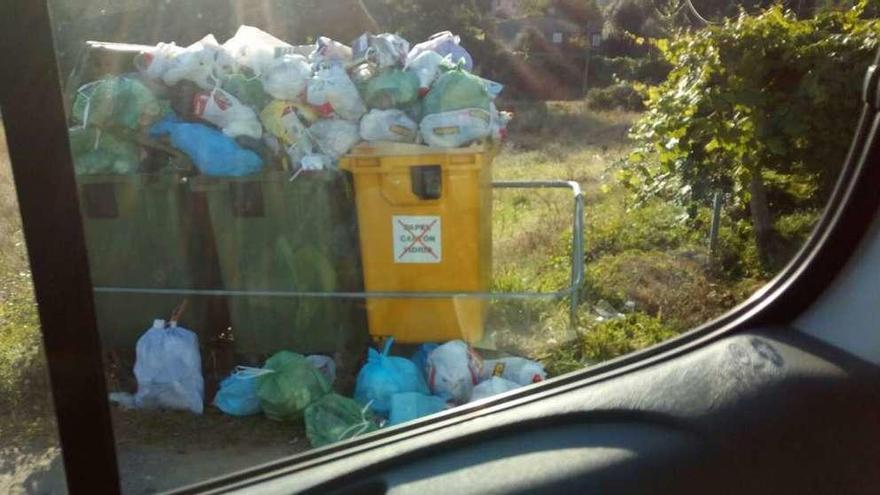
(605,71)
(24,385)
(620,96)
(766,102)
(601,341)
(612,229)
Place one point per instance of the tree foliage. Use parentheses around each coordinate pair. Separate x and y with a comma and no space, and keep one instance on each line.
(767,97)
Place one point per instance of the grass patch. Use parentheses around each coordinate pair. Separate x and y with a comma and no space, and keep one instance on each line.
(24,384)
(602,341)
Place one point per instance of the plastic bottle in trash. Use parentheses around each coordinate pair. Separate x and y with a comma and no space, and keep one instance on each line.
(516,369)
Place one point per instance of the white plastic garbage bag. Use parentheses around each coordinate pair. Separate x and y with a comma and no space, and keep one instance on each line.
(388,125)
(325,365)
(154,63)
(171,64)
(228,113)
(444,43)
(329,51)
(453,370)
(194,63)
(286,77)
(385,50)
(427,67)
(334,137)
(456,128)
(168,369)
(519,370)
(254,48)
(331,91)
(316,161)
(493,386)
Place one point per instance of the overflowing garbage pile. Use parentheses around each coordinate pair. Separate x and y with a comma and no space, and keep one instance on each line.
(390,390)
(257,102)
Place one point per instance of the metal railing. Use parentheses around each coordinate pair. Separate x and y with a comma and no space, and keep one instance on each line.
(577,269)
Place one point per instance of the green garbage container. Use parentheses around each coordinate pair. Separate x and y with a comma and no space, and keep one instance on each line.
(277,234)
(141,233)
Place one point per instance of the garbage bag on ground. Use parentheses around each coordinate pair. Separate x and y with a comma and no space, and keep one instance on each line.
(287,120)
(117,101)
(212,152)
(383,376)
(492,386)
(330,52)
(248,90)
(226,112)
(408,406)
(325,364)
(295,384)
(420,357)
(334,418)
(456,90)
(453,370)
(237,395)
(334,137)
(427,66)
(97,151)
(286,77)
(388,125)
(385,50)
(391,89)
(332,91)
(519,370)
(445,43)
(168,369)
(252,48)
(172,64)
(456,128)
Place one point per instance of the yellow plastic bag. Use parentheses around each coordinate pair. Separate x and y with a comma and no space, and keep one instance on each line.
(287,120)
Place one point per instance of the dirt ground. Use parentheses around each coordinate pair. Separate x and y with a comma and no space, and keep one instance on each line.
(159,450)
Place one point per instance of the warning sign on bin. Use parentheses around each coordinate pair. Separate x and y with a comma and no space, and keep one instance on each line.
(416,239)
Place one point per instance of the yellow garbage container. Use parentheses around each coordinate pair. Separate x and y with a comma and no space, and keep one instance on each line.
(425,225)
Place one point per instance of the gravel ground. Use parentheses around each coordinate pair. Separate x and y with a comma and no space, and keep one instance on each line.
(159,450)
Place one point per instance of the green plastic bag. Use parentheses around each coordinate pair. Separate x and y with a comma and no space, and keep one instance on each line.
(248,90)
(97,151)
(286,393)
(456,90)
(391,89)
(335,418)
(118,101)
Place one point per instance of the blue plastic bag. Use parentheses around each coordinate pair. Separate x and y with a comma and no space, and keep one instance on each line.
(212,152)
(384,376)
(238,392)
(420,358)
(412,405)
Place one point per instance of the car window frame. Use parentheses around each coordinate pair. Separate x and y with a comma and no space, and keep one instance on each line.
(35,121)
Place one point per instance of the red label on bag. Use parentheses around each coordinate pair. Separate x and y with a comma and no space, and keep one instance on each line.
(325,110)
(200,102)
(221,101)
